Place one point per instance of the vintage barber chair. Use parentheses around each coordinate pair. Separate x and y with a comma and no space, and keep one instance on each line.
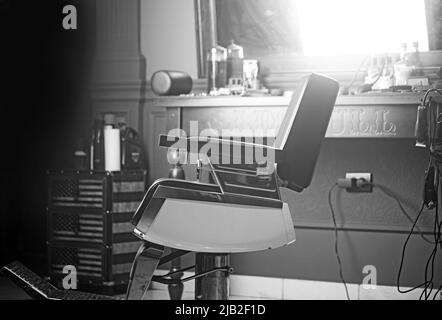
(240,210)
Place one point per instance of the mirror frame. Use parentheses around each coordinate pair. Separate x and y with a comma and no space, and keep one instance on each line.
(206,37)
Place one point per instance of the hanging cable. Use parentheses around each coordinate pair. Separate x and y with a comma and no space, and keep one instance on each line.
(338,258)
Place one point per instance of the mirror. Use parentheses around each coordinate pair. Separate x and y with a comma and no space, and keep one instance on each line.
(286,35)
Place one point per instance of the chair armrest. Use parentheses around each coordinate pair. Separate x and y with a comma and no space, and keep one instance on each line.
(168,141)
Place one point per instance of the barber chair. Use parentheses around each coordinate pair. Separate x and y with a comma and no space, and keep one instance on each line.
(240,208)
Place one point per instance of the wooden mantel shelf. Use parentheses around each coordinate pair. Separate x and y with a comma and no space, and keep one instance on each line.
(371,115)
(369,99)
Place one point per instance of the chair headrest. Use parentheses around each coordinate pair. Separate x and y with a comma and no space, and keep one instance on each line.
(303,128)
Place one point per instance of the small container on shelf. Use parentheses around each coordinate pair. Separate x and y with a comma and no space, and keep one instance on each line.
(235,58)
(216,68)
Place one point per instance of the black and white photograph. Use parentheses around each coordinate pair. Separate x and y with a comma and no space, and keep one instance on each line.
(221,155)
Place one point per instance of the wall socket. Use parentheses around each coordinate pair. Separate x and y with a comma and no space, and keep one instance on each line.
(366,176)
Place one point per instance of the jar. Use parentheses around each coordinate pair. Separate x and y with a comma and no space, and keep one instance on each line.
(235,57)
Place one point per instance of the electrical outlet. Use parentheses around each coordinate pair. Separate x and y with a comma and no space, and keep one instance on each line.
(366,176)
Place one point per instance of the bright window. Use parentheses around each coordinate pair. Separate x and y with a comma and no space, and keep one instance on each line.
(333,27)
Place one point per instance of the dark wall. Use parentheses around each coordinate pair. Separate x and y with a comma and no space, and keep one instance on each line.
(374,228)
(44,105)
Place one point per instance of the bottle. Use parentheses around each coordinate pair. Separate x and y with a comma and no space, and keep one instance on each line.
(235,58)
(372,70)
(216,68)
(403,56)
(112,144)
(415,60)
(389,72)
(386,80)
(383,77)
(403,68)
(80,155)
(97,146)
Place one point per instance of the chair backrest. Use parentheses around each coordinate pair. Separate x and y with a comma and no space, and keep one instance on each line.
(304,126)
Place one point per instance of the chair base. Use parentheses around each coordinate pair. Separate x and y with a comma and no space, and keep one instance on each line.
(211,273)
(214,286)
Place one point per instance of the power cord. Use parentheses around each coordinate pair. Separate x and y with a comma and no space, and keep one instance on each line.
(428,289)
(404,248)
(432,185)
(338,258)
(390,194)
(343,183)
(431,201)
(424,101)
(428,285)
(429,266)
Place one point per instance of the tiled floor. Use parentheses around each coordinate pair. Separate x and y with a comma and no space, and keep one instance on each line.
(259,288)
(9,291)
(164,295)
